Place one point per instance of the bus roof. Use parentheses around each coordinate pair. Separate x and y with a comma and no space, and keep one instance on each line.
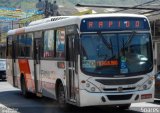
(48,20)
(60,21)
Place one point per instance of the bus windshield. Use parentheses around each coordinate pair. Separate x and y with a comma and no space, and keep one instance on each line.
(115,54)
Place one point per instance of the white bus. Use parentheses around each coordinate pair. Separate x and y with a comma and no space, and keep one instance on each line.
(103,59)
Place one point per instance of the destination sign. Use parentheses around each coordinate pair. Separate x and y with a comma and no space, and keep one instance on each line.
(113,24)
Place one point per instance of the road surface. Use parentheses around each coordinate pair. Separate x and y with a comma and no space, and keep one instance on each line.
(12,101)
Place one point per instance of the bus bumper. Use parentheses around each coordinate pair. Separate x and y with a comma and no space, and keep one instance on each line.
(95,99)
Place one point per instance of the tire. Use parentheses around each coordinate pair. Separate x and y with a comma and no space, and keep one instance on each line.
(61,97)
(25,93)
(123,107)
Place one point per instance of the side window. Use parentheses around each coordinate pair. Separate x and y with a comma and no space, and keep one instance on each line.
(25,45)
(29,45)
(60,43)
(48,44)
(21,45)
(38,35)
(15,46)
(9,47)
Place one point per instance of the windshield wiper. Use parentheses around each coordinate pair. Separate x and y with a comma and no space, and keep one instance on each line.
(129,39)
(127,42)
(107,44)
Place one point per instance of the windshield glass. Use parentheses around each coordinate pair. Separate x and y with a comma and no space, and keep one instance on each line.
(116,54)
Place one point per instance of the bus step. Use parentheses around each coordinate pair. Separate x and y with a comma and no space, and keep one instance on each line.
(39,94)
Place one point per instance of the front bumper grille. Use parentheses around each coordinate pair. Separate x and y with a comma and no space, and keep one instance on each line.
(119,81)
(116,89)
(119,97)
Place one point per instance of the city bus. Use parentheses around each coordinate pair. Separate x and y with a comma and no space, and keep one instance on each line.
(89,60)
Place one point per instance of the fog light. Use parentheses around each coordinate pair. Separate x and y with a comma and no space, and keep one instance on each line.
(93,89)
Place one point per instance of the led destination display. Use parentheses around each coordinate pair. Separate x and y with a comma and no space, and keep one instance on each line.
(113,24)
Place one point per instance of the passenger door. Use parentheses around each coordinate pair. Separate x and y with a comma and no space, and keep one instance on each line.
(15,83)
(157,56)
(72,80)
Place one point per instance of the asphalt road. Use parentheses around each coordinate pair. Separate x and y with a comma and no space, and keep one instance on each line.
(12,101)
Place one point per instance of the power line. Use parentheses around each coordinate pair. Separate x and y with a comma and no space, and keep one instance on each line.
(145,3)
(121,7)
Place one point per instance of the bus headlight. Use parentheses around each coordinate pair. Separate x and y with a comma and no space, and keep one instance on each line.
(91,87)
(147,84)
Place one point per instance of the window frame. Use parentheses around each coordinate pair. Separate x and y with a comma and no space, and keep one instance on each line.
(42,48)
(55,50)
(8,54)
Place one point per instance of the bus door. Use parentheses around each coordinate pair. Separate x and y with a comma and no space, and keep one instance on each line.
(15,83)
(71,75)
(37,55)
(157,55)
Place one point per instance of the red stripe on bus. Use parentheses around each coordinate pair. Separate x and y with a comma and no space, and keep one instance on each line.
(25,69)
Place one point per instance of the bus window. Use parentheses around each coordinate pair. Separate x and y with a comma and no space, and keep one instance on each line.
(25,45)
(9,47)
(29,45)
(60,41)
(21,46)
(48,44)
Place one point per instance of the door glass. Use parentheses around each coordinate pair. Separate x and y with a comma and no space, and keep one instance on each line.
(60,43)
(48,48)
(37,50)
(158,57)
